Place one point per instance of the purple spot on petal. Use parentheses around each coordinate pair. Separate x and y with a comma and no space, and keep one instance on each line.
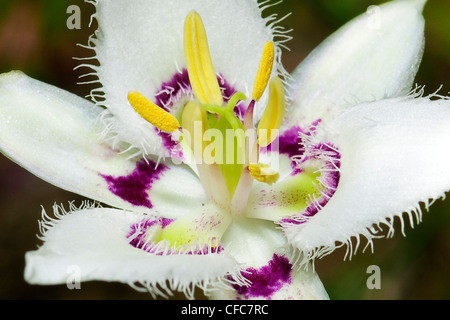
(267,280)
(330,158)
(138,231)
(166,222)
(290,141)
(171,145)
(172,90)
(133,187)
(290,144)
(179,85)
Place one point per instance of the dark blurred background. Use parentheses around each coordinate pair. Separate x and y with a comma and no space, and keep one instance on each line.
(34,38)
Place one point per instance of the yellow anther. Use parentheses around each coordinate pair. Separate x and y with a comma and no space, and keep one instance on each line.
(264,71)
(264,173)
(158,117)
(270,123)
(193,121)
(201,72)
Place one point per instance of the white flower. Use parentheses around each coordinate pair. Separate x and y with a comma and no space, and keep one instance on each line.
(353,148)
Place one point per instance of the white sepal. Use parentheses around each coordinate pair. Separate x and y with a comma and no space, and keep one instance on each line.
(374,56)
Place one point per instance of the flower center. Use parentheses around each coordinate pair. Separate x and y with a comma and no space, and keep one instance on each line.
(225,149)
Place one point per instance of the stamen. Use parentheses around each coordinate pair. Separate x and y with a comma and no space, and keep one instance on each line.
(158,117)
(269,126)
(264,71)
(201,72)
(193,121)
(264,173)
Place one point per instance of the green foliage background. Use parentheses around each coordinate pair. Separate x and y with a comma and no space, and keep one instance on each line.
(34,38)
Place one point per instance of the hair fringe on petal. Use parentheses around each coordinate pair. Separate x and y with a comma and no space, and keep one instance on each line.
(384,228)
(60,211)
(110,128)
(166,288)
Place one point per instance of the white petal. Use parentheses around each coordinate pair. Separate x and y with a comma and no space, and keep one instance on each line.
(177,192)
(394,156)
(54,135)
(260,236)
(374,56)
(140,45)
(93,244)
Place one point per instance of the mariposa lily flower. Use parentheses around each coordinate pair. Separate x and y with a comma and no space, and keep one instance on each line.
(217,169)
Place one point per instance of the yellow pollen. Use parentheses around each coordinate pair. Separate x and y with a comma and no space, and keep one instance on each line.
(270,123)
(158,117)
(264,71)
(200,68)
(262,172)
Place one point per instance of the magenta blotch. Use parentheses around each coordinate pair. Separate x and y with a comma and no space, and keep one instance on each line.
(290,141)
(267,280)
(172,90)
(290,144)
(133,187)
(179,85)
(330,176)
